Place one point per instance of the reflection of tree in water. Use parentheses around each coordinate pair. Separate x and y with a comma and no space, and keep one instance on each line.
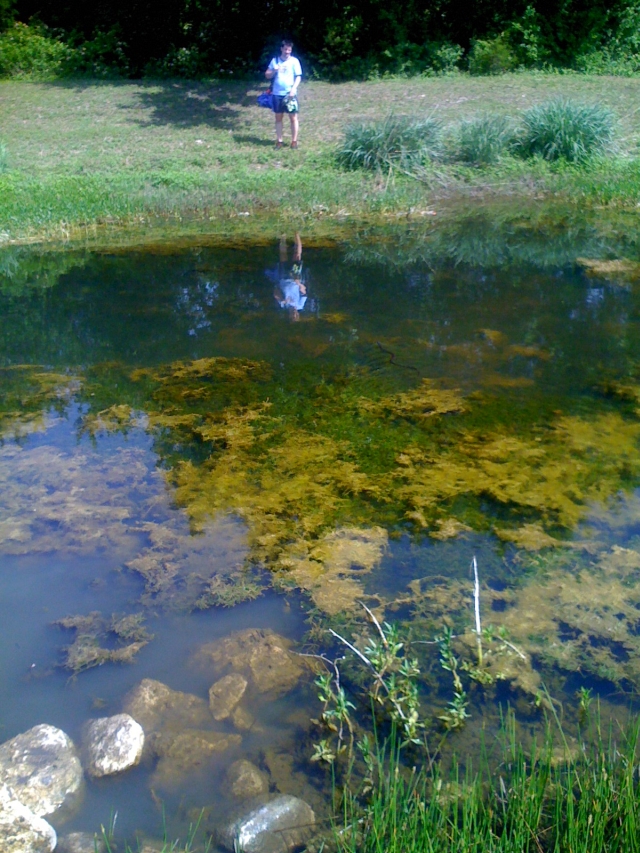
(24,269)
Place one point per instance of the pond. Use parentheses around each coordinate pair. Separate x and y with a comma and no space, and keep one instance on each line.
(214,455)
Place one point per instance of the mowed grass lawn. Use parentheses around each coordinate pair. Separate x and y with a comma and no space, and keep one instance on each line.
(80,153)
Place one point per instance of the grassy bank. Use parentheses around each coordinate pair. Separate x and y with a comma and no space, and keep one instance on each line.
(89,153)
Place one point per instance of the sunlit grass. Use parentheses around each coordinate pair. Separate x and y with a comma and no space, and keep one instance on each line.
(547,800)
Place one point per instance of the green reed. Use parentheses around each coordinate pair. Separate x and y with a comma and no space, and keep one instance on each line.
(517,802)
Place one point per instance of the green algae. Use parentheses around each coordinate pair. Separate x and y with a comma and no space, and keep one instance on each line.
(122,638)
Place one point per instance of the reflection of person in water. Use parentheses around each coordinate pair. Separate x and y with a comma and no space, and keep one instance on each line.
(290,292)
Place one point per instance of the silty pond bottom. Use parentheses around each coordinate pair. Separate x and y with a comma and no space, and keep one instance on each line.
(213,455)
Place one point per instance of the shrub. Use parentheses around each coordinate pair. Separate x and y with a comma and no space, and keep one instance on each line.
(483,140)
(444,57)
(562,129)
(491,57)
(29,51)
(396,141)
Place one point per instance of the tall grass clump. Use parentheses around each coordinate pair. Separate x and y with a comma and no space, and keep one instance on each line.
(4,158)
(566,130)
(395,142)
(536,802)
(483,140)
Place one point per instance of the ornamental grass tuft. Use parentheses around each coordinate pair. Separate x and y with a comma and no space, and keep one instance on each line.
(565,130)
(482,141)
(395,142)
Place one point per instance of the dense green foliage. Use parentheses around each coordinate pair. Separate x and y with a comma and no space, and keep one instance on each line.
(362,39)
(560,129)
(396,141)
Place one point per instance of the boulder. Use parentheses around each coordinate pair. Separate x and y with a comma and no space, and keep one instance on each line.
(225,694)
(278,825)
(42,770)
(112,744)
(246,780)
(81,842)
(184,753)
(21,831)
(261,655)
(156,706)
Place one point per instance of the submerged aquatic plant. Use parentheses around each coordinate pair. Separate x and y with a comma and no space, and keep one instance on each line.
(565,130)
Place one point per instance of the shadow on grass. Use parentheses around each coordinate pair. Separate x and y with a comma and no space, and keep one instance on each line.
(181,103)
(253,140)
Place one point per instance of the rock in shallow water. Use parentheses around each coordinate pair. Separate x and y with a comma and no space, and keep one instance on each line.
(225,694)
(154,706)
(262,655)
(21,831)
(278,825)
(41,769)
(246,780)
(81,842)
(112,744)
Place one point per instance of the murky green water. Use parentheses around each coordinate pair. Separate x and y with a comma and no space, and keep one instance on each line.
(214,440)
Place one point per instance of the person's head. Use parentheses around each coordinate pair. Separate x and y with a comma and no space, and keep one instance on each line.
(286,46)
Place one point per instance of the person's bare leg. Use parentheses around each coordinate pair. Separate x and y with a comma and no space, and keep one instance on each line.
(279,128)
(297,248)
(293,117)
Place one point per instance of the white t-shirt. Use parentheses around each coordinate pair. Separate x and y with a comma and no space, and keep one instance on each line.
(285,77)
(292,295)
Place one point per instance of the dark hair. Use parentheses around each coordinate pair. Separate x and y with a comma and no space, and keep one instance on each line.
(286,43)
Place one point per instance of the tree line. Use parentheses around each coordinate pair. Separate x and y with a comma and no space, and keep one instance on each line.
(358,39)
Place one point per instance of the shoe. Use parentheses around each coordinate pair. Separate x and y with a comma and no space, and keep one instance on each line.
(294,144)
(279,144)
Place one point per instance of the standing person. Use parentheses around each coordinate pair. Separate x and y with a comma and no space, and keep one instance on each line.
(285,74)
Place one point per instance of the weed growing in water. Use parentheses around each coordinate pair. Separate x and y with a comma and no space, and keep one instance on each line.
(482,141)
(565,130)
(396,142)
(535,802)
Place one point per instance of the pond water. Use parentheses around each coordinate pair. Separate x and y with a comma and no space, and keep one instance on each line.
(215,439)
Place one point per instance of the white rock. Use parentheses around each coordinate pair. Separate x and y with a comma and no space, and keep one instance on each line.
(278,825)
(41,769)
(21,831)
(112,744)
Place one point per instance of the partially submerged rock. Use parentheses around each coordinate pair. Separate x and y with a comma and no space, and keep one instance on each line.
(81,842)
(156,706)
(261,655)
(279,825)
(21,831)
(41,769)
(246,780)
(112,744)
(225,694)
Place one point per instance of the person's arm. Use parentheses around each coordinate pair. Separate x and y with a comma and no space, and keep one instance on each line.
(272,70)
(296,80)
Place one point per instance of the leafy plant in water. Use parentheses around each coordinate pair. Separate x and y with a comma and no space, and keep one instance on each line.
(456,713)
(396,142)
(567,130)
